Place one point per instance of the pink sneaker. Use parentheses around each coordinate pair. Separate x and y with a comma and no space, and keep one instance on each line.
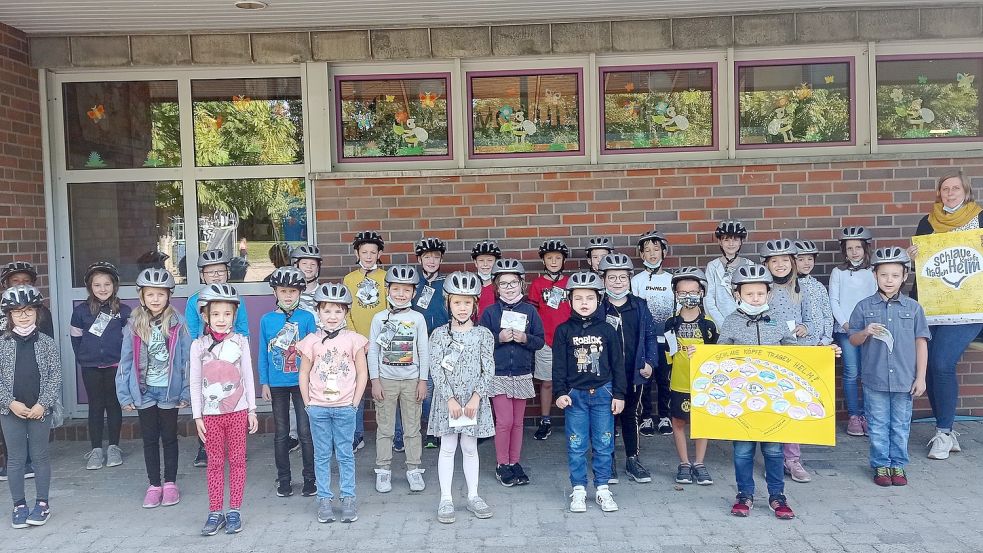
(172,496)
(153,497)
(863,423)
(856,426)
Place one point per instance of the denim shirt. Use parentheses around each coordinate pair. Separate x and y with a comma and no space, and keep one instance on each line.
(884,370)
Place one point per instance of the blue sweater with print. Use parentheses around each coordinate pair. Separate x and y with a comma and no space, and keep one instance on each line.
(279,367)
(196,326)
(435,313)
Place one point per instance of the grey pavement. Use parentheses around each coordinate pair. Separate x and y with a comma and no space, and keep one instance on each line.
(840,510)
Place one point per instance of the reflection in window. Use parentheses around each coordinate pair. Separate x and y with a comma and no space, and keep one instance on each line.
(794,103)
(121,125)
(657,109)
(525,114)
(248,122)
(928,98)
(134,225)
(393,117)
(248,219)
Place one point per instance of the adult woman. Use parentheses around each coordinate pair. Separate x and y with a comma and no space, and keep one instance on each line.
(954,210)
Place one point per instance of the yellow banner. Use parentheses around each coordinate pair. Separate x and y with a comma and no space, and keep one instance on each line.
(763,394)
(948,269)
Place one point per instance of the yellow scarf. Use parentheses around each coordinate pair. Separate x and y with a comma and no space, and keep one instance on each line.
(943,221)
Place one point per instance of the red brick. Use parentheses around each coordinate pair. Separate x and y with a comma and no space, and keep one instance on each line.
(825,175)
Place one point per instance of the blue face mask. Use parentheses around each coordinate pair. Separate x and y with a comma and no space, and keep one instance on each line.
(618,296)
(652,266)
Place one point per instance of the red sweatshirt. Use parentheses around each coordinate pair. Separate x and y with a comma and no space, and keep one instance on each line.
(539,294)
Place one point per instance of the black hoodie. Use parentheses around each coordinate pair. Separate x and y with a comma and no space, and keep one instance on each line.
(587,354)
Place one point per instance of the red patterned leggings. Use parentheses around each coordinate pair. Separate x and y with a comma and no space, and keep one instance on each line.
(221,432)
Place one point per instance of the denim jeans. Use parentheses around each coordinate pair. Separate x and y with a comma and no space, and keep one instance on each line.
(889,421)
(944,350)
(360,418)
(851,374)
(281,397)
(744,466)
(333,429)
(589,424)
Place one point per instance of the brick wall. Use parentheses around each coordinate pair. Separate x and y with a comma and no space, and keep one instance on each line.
(811,201)
(22,225)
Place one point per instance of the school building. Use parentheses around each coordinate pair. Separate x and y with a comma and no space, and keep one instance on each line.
(143,133)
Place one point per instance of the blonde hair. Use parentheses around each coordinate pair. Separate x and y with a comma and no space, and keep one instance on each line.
(966,187)
(140,319)
(792,285)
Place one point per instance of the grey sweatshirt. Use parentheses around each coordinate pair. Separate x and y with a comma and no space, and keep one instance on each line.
(407,355)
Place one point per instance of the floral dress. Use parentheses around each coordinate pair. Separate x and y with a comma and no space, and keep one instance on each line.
(470,356)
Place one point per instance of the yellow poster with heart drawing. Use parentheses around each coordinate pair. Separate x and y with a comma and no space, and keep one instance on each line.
(949,271)
(763,394)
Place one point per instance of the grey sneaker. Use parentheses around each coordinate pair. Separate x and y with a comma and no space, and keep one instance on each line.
(445,511)
(479,508)
(383,480)
(114,456)
(325,510)
(415,478)
(95,459)
(702,475)
(349,510)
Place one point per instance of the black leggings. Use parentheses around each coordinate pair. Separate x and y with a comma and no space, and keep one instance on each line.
(159,426)
(100,386)
(629,419)
(658,384)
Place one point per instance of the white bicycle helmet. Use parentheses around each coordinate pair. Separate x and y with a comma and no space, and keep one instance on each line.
(598,243)
(307,251)
(217,292)
(333,293)
(750,274)
(402,274)
(508,266)
(212,257)
(615,262)
(807,247)
(891,254)
(771,248)
(155,277)
(585,280)
(461,283)
(856,233)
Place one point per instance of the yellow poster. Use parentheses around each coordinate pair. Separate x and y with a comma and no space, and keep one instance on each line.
(763,394)
(949,270)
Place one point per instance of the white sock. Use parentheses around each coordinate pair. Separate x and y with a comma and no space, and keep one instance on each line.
(445,465)
(469,449)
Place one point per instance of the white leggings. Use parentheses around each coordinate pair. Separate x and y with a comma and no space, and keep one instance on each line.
(445,463)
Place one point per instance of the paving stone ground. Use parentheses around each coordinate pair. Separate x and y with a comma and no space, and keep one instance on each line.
(841,510)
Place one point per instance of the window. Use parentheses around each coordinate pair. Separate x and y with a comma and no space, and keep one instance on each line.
(249,219)
(517,113)
(135,225)
(248,122)
(795,102)
(923,98)
(406,118)
(121,125)
(650,109)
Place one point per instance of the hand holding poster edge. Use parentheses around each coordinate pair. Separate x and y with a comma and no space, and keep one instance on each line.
(946,268)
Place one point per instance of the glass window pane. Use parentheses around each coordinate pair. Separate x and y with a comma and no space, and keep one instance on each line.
(658,109)
(121,125)
(526,114)
(248,218)
(926,99)
(794,103)
(135,225)
(248,122)
(393,118)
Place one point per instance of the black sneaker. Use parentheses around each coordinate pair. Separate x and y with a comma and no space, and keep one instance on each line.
(432,442)
(665,426)
(310,488)
(614,473)
(293,444)
(647,428)
(636,471)
(201,459)
(701,475)
(283,489)
(684,473)
(520,475)
(544,430)
(505,475)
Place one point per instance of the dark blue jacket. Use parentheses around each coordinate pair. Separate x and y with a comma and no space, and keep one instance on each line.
(97,351)
(513,358)
(436,312)
(647,348)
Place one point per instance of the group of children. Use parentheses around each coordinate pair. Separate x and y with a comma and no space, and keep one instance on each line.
(459,355)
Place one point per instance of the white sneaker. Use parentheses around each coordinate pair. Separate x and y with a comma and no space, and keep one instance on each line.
(604,498)
(415,478)
(940,445)
(95,459)
(955,443)
(383,480)
(578,500)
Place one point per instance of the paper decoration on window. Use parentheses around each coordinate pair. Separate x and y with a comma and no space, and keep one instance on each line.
(412,135)
(804,92)
(519,127)
(152,161)
(965,81)
(364,121)
(781,124)
(829,79)
(553,97)
(666,117)
(401,117)
(240,102)
(218,121)
(390,98)
(97,113)
(922,79)
(428,99)
(917,115)
(505,113)
(95,161)
(629,87)
(897,95)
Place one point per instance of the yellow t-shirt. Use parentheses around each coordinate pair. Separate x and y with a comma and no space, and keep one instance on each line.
(369,294)
(688,334)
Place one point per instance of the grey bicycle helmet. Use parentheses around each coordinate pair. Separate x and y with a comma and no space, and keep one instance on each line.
(585,280)
(288,277)
(731,228)
(217,292)
(615,262)
(750,274)
(891,254)
(771,248)
(856,233)
(553,245)
(402,274)
(654,236)
(508,266)
(331,292)
(430,245)
(22,295)
(689,273)
(155,277)
(486,247)
(598,243)
(806,247)
(17,267)
(368,237)
(212,257)
(101,267)
(307,251)
(461,283)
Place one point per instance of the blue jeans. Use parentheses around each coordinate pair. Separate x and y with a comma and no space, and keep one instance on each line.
(333,429)
(360,420)
(851,373)
(889,421)
(944,350)
(774,467)
(589,424)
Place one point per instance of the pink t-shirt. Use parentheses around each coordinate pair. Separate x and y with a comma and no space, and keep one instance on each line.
(332,382)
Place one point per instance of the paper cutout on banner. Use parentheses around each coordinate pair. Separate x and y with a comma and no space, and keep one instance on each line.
(97,113)
(764,393)
(948,268)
